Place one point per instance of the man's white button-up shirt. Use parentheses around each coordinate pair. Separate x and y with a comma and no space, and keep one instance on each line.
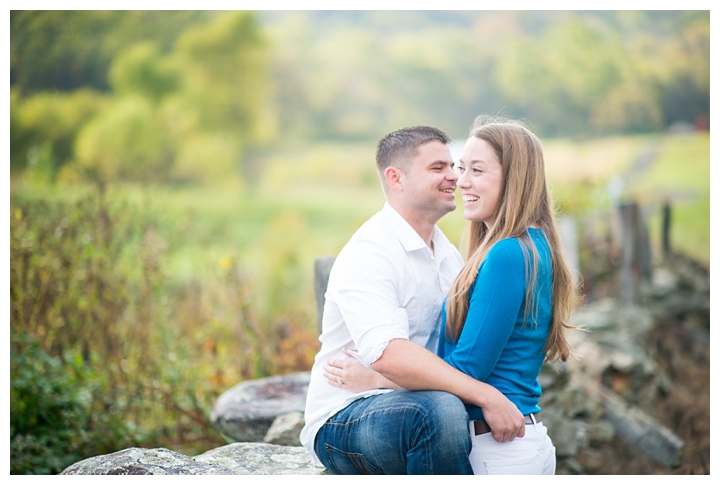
(385,284)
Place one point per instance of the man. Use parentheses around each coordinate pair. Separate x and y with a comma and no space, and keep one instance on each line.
(384,299)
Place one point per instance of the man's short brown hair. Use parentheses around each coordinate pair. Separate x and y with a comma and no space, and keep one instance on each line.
(398,148)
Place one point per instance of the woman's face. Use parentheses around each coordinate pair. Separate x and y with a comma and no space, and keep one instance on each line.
(480,181)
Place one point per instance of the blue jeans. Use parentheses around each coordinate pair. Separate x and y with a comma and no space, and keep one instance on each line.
(397,433)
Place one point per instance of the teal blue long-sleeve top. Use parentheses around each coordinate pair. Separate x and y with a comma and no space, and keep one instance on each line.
(497,346)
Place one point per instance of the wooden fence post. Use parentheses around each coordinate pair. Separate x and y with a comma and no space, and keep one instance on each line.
(322,273)
(628,270)
(643,247)
(636,257)
(568,235)
(666,219)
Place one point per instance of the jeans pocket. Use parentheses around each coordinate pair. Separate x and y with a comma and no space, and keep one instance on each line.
(345,463)
(526,465)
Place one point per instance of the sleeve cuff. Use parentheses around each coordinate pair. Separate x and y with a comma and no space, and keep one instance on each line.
(396,328)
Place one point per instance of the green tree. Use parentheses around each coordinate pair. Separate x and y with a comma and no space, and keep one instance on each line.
(51,120)
(225,83)
(358,74)
(224,67)
(142,70)
(125,142)
(189,115)
(66,50)
(685,92)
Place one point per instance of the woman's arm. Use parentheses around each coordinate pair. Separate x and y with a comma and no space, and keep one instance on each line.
(416,368)
(492,313)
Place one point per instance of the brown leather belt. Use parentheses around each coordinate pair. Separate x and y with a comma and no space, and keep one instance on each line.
(481,427)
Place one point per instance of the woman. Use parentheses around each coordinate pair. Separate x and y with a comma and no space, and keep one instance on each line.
(509,307)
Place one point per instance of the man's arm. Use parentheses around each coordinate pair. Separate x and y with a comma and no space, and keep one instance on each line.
(414,367)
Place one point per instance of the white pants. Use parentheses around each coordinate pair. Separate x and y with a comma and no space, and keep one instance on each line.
(533,454)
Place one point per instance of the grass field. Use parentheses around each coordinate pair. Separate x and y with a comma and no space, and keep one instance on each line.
(680,175)
(584,176)
(310,199)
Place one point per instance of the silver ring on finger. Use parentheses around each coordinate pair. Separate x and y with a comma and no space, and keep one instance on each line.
(340,381)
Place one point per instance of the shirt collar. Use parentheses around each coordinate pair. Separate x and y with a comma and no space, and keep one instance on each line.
(409,238)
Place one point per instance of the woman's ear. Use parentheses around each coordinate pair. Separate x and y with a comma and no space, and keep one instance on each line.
(393,176)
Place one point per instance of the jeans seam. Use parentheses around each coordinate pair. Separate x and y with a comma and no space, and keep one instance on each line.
(358,460)
(419,431)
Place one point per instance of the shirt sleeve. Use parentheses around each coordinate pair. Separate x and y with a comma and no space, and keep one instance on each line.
(495,303)
(366,287)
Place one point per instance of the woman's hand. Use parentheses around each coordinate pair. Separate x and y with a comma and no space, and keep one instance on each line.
(354,376)
(504,418)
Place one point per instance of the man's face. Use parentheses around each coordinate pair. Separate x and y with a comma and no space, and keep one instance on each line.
(430,181)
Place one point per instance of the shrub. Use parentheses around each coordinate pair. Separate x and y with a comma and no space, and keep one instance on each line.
(55,419)
(108,351)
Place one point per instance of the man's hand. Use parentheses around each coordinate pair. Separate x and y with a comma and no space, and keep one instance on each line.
(504,418)
(353,376)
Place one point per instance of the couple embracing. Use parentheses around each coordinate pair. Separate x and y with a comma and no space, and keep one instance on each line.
(429,361)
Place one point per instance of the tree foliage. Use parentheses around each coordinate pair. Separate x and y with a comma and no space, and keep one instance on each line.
(200,95)
(567,73)
(50,120)
(185,102)
(142,70)
(67,50)
(125,142)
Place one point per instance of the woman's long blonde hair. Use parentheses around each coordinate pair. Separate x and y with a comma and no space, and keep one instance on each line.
(524,201)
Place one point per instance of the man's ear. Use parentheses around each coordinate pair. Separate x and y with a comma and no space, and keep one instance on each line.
(393,176)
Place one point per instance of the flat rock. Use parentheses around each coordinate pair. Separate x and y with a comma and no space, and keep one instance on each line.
(285,430)
(141,461)
(245,412)
(232,459)
(261,459)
